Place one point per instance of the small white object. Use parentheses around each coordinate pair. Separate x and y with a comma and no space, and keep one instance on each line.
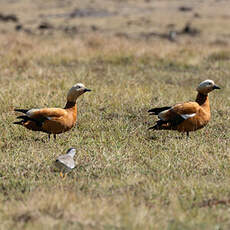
(66,162)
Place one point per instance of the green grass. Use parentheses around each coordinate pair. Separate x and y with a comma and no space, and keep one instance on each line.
(126,176)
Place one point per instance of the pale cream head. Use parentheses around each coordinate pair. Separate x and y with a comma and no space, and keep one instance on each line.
(77,90)
(207,86)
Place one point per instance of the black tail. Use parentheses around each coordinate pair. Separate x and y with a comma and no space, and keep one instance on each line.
(24,119)
(171,124)
(158,125)
(22,110)
(156,111)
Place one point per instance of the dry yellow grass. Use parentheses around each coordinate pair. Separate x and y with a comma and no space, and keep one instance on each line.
(126,176)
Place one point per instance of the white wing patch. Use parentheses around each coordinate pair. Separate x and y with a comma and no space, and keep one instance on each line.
(161,115)
(31,112)
(187,116)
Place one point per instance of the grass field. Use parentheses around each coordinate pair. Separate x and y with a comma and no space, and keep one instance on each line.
(126,176)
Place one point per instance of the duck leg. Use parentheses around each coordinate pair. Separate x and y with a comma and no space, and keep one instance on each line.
(63,176)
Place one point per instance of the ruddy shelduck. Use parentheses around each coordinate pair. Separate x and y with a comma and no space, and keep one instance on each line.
(53,120)
(188,116)
(65,163)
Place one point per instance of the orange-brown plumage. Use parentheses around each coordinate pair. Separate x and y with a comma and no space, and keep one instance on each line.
(53,120)
(188,116)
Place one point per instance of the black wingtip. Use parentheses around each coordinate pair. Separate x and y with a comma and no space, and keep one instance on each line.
(21,110)
(151,111)
(156,111)
(155,127)
(18,122)
(22,117)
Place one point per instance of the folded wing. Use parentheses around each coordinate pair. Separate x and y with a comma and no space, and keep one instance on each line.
(175,115)
(36,118)
(66,161)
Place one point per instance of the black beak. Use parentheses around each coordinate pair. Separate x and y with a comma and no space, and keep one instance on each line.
(87,90)
(216,87)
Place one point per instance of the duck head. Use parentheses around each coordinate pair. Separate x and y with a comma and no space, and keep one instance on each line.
(77,90)
(206,87)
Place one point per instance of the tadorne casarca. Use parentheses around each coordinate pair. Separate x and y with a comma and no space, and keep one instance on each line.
(53,120)
(188,116)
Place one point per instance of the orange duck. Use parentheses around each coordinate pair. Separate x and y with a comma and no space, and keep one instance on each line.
(188,116)
(53,120)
